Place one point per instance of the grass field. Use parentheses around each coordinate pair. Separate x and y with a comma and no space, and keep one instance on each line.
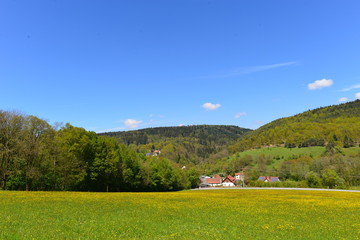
(281,154)
(285,153)
(212,214)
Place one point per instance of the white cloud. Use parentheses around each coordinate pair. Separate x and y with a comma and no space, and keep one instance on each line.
(320,84)
(351,88)
(211,106)
(239,115)
(132,123)
(357,95)
(343,99)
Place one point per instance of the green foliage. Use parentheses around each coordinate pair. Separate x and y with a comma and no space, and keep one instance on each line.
(339,123)
(35,156)
(283,184)
(290,164)
(193,176)
(183,145)
(331,179)
(313,180)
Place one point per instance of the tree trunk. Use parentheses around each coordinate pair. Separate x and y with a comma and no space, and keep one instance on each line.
(4,181)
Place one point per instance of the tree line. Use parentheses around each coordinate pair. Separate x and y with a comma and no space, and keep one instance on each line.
(37,156)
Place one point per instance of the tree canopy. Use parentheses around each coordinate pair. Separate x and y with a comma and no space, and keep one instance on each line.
(35,156)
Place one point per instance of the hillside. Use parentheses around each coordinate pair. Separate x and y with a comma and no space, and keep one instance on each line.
(183,144)
(337,124)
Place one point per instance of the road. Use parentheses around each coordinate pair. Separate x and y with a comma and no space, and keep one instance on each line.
(267,188)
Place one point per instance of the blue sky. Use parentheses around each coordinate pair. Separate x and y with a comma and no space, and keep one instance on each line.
(121,65)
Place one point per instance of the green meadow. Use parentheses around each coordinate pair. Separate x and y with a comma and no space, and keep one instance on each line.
(207,214)
(281,154)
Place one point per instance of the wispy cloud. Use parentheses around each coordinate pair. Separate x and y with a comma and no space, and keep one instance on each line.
(318,84)
(343,99)
(239,115)
(251,69)
(357,95)
(350,88)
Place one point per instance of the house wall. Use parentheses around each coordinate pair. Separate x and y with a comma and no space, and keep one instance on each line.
(239,177)
(228,184)
(215,184)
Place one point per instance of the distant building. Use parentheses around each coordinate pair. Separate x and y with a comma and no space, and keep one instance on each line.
(154,153)
(239,176)
(229,181)
(207,181)
(268,179)
(215,181)
(218,181)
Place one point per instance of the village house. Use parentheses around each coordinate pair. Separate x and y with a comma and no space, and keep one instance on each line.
(229,181)
(207,181)
(154,153)
(268,179)
(217,181)
(239,176)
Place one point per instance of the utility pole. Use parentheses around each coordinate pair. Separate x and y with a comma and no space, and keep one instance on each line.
(243,176)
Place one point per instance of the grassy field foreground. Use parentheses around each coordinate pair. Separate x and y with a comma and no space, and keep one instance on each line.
(214,214)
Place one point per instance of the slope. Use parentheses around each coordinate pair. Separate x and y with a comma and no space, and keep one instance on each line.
(183,144)
(337,124)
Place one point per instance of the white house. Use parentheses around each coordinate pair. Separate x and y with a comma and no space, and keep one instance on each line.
(229,181)
(214,182)
(239,176)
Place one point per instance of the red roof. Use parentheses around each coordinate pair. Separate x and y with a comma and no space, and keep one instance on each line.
(213,180)
(238,173)
(230,179)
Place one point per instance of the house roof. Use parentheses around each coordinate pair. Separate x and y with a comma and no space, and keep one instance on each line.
(268,178)
(274,179)
(213,180)
(239,173)
(230,179)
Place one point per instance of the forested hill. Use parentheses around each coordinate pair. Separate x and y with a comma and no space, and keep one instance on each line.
(206,134)
(337,124)
(181,144)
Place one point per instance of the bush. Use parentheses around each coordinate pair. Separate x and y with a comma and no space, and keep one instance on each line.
(285,184)
(313,180)
(331,179)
